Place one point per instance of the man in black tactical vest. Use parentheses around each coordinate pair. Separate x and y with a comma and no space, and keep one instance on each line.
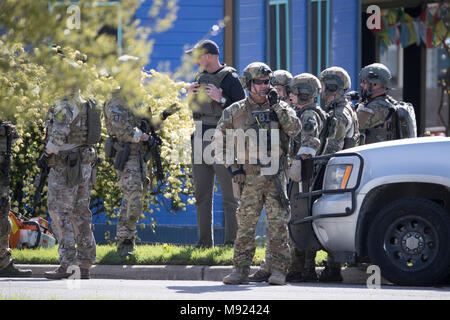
(215,87)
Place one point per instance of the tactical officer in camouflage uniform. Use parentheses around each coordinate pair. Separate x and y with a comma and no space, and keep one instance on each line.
(260,110)
(305,89)
(8,134)
(375,112)
(345,134)
(216,87)
(342,133)
(126,147)
(280,81)
(73,128)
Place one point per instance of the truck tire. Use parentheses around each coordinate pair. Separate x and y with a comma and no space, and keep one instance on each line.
(410,241)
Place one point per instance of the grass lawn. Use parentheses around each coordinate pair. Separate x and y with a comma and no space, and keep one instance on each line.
(158,254)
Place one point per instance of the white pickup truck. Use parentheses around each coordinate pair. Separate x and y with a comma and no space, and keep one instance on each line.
(385,203)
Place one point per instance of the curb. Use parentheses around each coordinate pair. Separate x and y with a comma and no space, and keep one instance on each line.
(351,275)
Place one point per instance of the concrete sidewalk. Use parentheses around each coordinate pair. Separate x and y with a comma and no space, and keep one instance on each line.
(179,272)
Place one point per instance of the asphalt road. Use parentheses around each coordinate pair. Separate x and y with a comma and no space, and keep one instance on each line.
(99,289)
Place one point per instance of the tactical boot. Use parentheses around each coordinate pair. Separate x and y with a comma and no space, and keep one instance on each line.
(277,277)
(259,276)
(294,276)
(239,275)
(126,248)
(200,245)
(309,275)
(85,273)
(11,271)
(331,275)
(229,244)
(58,273)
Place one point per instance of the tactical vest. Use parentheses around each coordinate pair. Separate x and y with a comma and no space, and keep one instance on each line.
(405,119)
(204,108)
(247,117)
(296,142)
(352,138)
(87,126)
(388,129)
(113,143)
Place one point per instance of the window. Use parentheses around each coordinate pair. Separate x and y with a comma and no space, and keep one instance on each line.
(437,117)
(319,35)
(392,57)
(279,50)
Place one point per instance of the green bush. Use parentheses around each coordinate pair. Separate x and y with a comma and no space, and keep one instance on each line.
(33,74)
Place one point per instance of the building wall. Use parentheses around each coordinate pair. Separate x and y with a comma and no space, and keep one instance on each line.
(345,37)
(195,19)
(299,42)
(250,32)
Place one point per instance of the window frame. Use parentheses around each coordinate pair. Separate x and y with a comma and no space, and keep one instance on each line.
(319,35)
(277,4)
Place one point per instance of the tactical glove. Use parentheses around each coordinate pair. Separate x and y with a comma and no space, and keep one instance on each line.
(238,176)
(353,95)
(43,160)
(272,96)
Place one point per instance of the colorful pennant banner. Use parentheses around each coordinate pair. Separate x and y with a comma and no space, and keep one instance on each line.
(398,27)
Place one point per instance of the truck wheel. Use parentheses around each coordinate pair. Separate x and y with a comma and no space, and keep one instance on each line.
(409,240)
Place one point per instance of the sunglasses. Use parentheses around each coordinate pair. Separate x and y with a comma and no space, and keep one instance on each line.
(256,81)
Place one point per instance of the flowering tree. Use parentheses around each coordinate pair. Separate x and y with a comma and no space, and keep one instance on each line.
(42,41)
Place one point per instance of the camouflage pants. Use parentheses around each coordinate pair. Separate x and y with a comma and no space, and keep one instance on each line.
(257,192)
(301,260)
(69,209)
(5,226)
(132,187)
(332,263)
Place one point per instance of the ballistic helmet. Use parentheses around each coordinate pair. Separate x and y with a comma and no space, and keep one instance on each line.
(305,86)
(281,78)
(253,71)
(376,73)
(336,80)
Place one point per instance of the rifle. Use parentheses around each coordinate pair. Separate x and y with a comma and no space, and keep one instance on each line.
(7,164)
(39,183)
(353,96)
(155,141)
(285,203)
(41,177)
(5,168)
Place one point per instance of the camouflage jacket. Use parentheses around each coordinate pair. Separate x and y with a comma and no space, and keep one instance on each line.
(374,117)
(346,126)
(62,121)
(121,122)
(309,140)
(243,115)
